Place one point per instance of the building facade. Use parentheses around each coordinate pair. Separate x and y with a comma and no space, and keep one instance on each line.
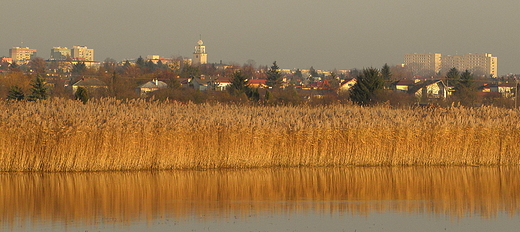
(427,64)
(478,64)
(430,64)
(22,54)
(60,53)
(82,53)
(199,55)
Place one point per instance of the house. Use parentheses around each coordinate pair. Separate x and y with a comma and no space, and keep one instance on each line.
(151,86)
(320,85)
(257,83)
(404,85)
(222,83)
(202,83)
(507,90)
(89,84)
(347,84)
(429,89)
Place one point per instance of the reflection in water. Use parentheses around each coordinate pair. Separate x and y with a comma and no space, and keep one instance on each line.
(126,197)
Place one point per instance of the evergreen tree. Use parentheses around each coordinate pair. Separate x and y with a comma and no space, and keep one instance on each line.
(38,91)
(452,77)
(465,89)
(274,77)
(82,95)
(268,97)
(298,74)
(387,75)
(127,64)
(150,66)
(15,93)
(79,68)
(368,84)
(239,84)
(140,62)
(313,72)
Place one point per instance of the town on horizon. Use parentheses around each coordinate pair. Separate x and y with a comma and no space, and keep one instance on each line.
(419,64)
(428,77)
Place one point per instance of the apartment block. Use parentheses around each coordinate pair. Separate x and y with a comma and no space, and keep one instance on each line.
(430,64)
(22,54)
(478,64)
(427,64)
(82,53)
(60,53)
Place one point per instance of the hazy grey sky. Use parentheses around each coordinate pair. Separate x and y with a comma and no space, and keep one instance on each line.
(328,34)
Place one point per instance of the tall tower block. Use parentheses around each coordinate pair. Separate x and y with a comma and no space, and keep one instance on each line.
(200,56)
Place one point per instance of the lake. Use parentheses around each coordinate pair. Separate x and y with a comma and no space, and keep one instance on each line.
(274,199)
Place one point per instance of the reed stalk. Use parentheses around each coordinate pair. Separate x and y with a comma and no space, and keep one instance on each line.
(109,134)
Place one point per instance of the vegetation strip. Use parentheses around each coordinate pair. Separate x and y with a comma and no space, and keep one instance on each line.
(109,134)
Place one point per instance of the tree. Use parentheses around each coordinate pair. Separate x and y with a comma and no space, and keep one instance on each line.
(465,88)
(239,83)
(13,66)
(274,77)
(190,71)
(140,62)
(298,74)
(79,68)
(452,76)
(368,84)
(38,65)
(38,91)
(173,83)
(313,72)
(82,95)
(387,75)
(15,93)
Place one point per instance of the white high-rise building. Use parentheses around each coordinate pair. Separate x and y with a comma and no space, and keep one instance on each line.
(430,64)
(427,64)
(478,64)
(82,53)
(22,55)
(60,53)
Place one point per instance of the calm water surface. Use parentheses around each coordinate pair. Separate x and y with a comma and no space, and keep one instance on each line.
(293,199)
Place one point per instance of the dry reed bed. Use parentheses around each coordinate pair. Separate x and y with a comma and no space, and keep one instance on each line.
(65,135)
(123,197)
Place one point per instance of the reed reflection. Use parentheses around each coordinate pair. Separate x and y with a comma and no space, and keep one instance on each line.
(123,197)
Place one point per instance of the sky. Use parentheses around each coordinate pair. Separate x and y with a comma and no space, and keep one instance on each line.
(328,34)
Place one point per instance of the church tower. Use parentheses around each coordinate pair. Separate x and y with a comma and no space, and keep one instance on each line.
(199,55)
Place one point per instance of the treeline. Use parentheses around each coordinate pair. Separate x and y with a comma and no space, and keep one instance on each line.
(40,80)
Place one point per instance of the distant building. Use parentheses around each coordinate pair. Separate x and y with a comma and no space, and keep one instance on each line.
(60,53)
(347,84)
(429,89)
(82,53)
(151,86)
(426,65)
(22,55)
(478,64)
(430,64)
(90,84)
(199,55)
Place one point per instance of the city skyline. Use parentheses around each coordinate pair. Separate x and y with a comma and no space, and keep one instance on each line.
(326,35)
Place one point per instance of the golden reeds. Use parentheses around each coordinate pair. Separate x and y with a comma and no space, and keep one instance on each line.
(122,197)
(109,134)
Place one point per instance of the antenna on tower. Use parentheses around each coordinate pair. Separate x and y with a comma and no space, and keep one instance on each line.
(200,36)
